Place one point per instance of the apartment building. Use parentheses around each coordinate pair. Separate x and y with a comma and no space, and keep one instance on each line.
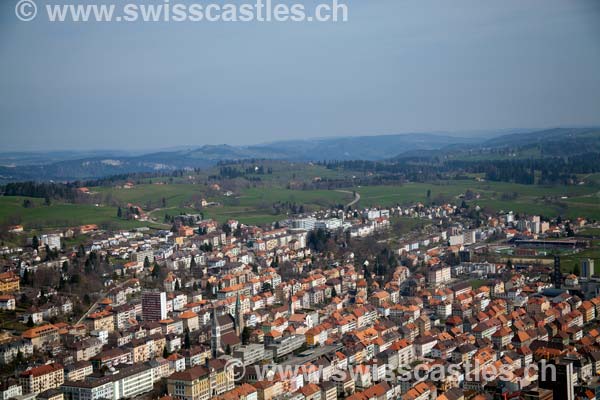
(100,321)
(154,305)
(201,382)
(9,282)
(39,379)
(115,384)
(41,335)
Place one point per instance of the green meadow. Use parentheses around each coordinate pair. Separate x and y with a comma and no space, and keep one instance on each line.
(255,205)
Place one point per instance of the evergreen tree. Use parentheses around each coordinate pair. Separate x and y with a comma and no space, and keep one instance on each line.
(187,341)
(155,270)
(238,232)
(119,212)
(35,242)
(48,252)
(19,358)
(226,229)
(30,322)
(246,333)
(209,290)
(81,251)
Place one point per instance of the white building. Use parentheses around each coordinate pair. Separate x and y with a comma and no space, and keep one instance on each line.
(11,392)
(587,268)
(7,302)
(127,382)
(439,275)
(52,240)
(304,223)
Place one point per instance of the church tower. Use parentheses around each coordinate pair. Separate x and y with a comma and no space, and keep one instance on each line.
(239,316)
(215,338)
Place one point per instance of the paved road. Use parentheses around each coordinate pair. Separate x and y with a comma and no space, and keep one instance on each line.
(356,197)
(157,210)
(102,296)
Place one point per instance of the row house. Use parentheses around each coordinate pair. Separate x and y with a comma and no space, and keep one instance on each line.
(78,371)
(126,315)
(424,345)
(485,329)
(502,337)
(147,348)
(112,357)
(402,353)
(86,349)
(171,326)
(588,311)
(317,335)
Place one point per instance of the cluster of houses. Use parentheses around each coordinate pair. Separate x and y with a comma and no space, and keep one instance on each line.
(259,297)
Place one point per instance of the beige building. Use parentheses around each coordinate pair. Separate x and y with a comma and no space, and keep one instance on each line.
(190,320)
(191,384)
(39,379)
(268,389)
(9,282)
(41,335)
(201,382)
(100,321)
(78,371)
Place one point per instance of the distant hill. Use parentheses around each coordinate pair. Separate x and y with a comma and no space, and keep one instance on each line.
(532,145)
(360,147)
(551,142)
(63,166)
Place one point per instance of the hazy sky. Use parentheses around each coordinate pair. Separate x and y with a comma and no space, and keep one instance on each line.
(396,66)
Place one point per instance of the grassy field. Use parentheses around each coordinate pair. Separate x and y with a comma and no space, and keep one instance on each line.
(176,195)
(531,199)
(403,225)
(568,257)
(59,215)
(254,205)
(590,232)
(567,262)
